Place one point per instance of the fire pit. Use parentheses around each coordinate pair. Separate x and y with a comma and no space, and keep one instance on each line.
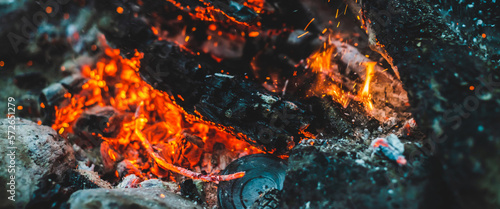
(249,104)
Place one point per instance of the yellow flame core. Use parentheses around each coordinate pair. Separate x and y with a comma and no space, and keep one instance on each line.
(365,93)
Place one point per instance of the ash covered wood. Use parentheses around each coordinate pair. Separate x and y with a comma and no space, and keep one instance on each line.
(453,90)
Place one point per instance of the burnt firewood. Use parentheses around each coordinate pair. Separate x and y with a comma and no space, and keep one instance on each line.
(454,94)
(96,122)
(55,94)
(49,98)
(73,83)
(226,11)
(223,99)
(274,14)
(127,34)
(243,107)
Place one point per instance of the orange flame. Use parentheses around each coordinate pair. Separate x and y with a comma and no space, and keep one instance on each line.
(151,125)
(329,83)
(322,59)
(321,63)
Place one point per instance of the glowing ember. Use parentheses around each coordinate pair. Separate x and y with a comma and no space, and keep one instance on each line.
(153,134)
(210,13)
(168,166)
(255,5)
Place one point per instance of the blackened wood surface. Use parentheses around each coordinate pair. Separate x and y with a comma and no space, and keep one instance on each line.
(232,101)
(455,94)
(241,105)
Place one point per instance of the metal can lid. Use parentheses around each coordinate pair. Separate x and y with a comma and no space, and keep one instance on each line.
(263,172)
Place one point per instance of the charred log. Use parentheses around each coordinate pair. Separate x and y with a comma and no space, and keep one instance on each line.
(97,122)
(50,97)
(53,95)
(241,105)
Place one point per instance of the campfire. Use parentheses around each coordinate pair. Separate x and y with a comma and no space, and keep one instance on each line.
(247,104)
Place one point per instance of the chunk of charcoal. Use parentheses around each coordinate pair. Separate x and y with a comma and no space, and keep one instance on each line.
(189,190)
(54,193)
(96,121)
(49,98)
(73,83)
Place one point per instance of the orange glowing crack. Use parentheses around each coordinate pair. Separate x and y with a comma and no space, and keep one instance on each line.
(256,5)
(207,13)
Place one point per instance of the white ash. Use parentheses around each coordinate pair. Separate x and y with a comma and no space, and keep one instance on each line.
(130,181)
(269,99)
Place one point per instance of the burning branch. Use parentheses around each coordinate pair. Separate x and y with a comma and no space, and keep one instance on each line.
(168,166)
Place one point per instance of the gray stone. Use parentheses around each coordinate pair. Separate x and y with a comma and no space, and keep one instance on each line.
(140,198)
(39,151)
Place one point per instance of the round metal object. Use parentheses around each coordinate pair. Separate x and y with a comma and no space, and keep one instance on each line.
(262,173)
